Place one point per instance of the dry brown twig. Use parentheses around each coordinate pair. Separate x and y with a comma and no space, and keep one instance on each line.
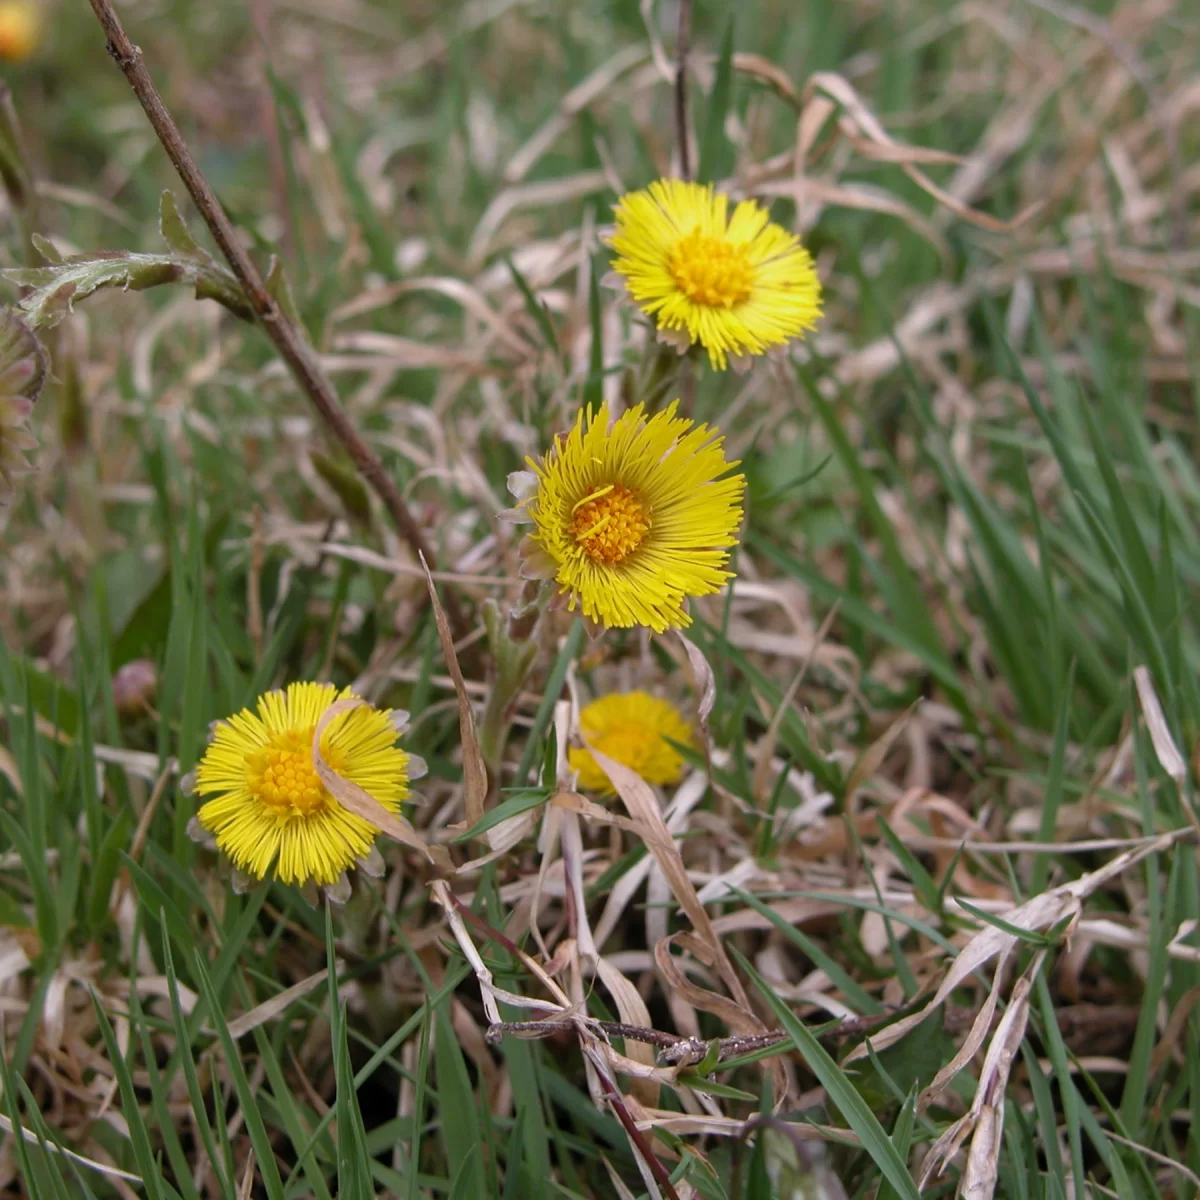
(682,41)
(289,340)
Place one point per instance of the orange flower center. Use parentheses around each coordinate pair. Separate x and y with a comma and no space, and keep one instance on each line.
(610,524)
(281,775)
(711,270)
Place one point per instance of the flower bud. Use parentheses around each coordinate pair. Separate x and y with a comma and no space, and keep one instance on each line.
(19,30)
(134,686)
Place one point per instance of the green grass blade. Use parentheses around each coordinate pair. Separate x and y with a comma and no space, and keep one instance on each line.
(840,1091)
(264,1154)
(138,1134)
(716,152)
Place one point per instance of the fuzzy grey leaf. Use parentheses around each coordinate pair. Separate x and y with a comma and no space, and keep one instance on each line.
(57,287)
(46,248)
(175,232)
(280,289)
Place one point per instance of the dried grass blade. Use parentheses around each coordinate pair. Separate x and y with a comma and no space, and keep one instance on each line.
(765,750)
(1036,914)
(632,1011)
(642,805)
(706,683)
(270,1009)
(474,772)
(738,1017)
(654,1174)
(1165,749)
(30,1136)
(358,800)
(986,1115)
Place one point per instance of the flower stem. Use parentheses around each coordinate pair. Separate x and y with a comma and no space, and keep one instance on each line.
(659,370)
(514,649)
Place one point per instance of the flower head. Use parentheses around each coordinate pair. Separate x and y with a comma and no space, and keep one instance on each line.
(631,516)
(19,29)
(631,727)
(269,806)
(737,285)
(22,370)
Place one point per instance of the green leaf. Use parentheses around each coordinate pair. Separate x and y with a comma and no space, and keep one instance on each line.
(839,1089)
(105,871)
(841,979)
(701,1083)
(1052,796)
(922,881)
(279,288)
(54,289)
(1030,937)
(44,895)
(716,152)
(160,1108)
(538,311)
(512,807)
(138,1134)
(354,1177)
(909,1064)
(901,1139)
(12,914)
(550,694)
(264,1153)
(593,385)
(155,900)
(468,1180)
(175,232)
(183,1048)
(458,1110)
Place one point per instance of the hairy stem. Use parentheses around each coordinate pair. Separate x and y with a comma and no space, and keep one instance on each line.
(288,338)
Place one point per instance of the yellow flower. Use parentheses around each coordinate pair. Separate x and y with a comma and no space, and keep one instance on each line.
(631,727)
(19,30)
(631,517)
(270,807)
(737,285)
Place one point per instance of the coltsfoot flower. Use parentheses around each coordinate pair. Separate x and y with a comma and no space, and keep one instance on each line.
(22,370)
(20,29)
(737,284)
(631,517)
(631,727)
(270,812)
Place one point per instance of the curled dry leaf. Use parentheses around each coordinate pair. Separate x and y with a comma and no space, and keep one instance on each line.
(276,1005)
(36,1139)
(642,805)
(632,1010)
(705,681)
(487,988)
(474,771)
(986,1114)
(765,751)
(1165,749)
(359,801)
(738,1017)
(1037,914)
(872,757)
(874,141)
(574,802)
